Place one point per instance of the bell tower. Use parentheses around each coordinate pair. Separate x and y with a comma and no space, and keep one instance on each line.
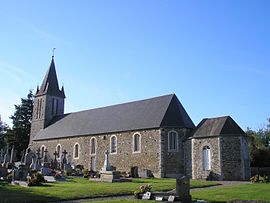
(48,102)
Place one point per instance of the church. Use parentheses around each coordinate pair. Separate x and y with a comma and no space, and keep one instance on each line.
(154,134)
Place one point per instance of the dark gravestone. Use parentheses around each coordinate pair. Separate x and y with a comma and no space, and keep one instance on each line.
(3,171)
(144,173)
(20,173)
(182,189)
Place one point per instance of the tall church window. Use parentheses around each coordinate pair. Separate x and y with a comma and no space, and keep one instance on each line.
(93,145)
(136,143)
(53,104)
(76,151)
(42,151)
(58,150)
(39,109)
(172,141)
(206,158)
(113,144)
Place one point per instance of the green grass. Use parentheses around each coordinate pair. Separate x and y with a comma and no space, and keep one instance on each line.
(76,188)
(239,192)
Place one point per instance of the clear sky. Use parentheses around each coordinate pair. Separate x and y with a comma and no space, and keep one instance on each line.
(214,55)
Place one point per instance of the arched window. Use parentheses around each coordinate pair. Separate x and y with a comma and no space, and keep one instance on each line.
(172,141)
(42,151)
(58,150)
(76,151)
(113,144)
(206,158)
(136,143)
(93,145)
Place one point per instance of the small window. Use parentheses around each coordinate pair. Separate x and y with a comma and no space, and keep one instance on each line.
(136,143)
(172,141)
(113,144)
(58,150)
(42,151)
(76,151)
(206,158)
(93,143)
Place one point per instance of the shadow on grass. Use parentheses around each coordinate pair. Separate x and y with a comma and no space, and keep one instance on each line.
(13,194)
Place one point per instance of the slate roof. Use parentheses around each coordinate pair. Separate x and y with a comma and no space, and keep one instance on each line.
(209,127)
(50,83)
(163,111)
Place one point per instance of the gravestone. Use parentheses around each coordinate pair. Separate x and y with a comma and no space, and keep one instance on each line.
(69,158)
(1,156)
(28,157)
(20,173)
(144,173)
(12,155)
(54,163)
(68,168)
(7,156)
(46,162)
(107,174)
(38,160)
(3,171)
(182,189)
(64,159)
(45,171)
(33,164)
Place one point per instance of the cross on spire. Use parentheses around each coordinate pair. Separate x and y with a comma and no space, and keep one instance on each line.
(53,52)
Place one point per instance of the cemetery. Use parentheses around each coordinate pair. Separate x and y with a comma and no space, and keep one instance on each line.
(51,179)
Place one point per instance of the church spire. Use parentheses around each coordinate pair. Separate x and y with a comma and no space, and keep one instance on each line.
(50,83)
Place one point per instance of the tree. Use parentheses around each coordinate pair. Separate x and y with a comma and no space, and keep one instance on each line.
(3,133)
(259,146)
(21,120)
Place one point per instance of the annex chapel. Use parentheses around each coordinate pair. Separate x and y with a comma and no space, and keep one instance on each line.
(154,134)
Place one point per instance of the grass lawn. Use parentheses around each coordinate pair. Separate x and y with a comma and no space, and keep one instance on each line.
(76,188)
(240,192)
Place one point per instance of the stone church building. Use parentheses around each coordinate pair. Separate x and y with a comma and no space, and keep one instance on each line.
(154,134)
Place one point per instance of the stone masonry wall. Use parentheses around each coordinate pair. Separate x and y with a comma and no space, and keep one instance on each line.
(232,166)
(172,163)
(188,157)
(123,159)
(197,162)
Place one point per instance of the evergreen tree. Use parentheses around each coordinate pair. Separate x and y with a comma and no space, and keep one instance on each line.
(3,133)
(21,120)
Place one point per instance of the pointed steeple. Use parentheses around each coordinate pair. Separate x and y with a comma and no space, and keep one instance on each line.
(50,83)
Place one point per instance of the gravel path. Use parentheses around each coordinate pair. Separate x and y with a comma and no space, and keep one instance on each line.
(122,197)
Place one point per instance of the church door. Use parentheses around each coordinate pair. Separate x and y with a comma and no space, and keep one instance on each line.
(93,163)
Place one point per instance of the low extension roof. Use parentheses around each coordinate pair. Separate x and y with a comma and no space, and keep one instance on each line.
(216,127)
(163,111)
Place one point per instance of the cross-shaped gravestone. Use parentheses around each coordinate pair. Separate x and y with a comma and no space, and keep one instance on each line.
(107,166)
(56,154)
(38,153)
(64,161)
(45,156)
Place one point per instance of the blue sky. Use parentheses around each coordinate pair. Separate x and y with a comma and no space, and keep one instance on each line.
(214,55)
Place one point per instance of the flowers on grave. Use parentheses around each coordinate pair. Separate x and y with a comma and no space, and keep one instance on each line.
(58,175)
(260,179)
(36,179)
(142,189)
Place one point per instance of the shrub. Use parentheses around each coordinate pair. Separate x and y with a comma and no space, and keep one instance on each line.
(36,179)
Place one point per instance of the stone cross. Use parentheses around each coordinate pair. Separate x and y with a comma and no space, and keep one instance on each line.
(64,161)
(12,155)
(69,159)
(106,166)
(56,154)
(7,156)
(45,156)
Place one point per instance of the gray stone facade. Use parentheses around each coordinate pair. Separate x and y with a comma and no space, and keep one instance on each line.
(160,162)
(229,158)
